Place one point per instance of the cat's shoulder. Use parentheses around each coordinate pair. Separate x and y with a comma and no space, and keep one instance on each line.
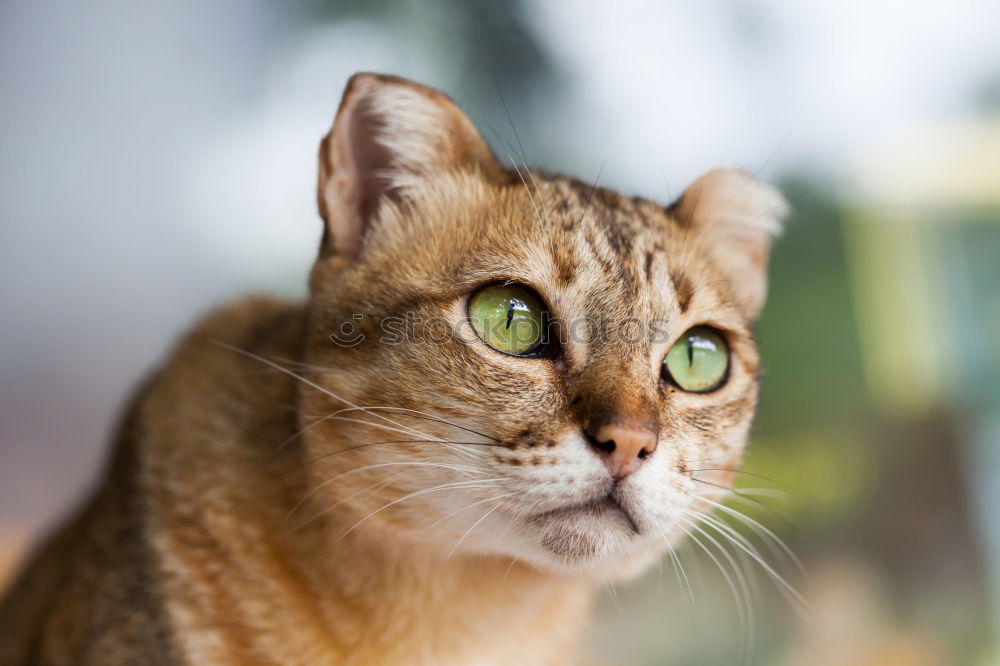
(243,320)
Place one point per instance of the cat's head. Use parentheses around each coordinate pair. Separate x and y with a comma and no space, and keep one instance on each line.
(515,363)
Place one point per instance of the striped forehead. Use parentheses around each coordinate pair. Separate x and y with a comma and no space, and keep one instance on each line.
(613,249)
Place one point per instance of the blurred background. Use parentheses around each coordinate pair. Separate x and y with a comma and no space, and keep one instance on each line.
(157,158)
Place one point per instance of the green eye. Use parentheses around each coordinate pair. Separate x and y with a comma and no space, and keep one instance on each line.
(509,318)
(699,361)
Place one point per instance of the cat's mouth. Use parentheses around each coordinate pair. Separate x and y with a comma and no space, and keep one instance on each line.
(598,507)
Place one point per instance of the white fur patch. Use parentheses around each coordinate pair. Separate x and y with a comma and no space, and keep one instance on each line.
(735,199)
(413,129)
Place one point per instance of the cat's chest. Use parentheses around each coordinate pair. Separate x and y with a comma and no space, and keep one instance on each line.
(536,632)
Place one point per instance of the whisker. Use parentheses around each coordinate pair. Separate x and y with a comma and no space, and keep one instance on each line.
(538,215)
(506,573)
(418,414)
(685,247)
(679,571)
(336,477)
(586,206)
(613,596)
(524,157)
(729,532)
(507,150)
(681,574)
(399,411)
(614,590)
(737,471)
(682,582)
(374,486)
(777,578)
(476,524)
(464,508)
(740,609)
(670,197)
(724,455)
(538,190)
(745,494)
(308,382)
(756,525)
(393,441)
(510,120)
(747,640)
(407,431)
(417,493)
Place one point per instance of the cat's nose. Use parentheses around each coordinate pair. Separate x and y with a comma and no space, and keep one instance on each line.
(623,445)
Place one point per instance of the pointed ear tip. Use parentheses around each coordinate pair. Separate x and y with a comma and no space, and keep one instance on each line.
(388,93)
(363,84)
(770,208)
(360,84)
(371,78)
(367,82)
(774,206)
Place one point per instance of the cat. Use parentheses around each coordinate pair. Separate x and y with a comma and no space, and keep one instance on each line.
(504,389)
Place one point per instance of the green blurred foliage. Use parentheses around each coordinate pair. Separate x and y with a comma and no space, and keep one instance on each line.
(808,332)
(811,441)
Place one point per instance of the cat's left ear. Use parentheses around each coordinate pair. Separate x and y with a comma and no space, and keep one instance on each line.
(390,134)
(736,216)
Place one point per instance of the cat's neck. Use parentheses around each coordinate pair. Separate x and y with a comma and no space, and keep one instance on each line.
(406,600)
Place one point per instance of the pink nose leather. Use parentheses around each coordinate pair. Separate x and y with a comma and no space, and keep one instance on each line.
(624,446)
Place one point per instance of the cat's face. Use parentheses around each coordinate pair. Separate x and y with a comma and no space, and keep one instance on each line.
(443,414)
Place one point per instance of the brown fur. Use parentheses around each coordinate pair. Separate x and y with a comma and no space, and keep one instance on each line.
(254,514)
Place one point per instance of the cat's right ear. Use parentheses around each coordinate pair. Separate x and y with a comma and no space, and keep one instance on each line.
(389,135)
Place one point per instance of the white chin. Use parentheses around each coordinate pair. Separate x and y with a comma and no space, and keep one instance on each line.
(599,540)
